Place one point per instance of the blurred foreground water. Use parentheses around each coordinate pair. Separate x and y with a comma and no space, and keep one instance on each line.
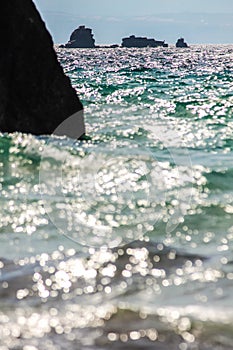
(124,240)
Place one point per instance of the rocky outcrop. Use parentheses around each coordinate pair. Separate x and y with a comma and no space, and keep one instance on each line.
(81,38)
(134,41)
(181,43)
(35,95)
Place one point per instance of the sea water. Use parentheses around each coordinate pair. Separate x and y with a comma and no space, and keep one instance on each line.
(124,239)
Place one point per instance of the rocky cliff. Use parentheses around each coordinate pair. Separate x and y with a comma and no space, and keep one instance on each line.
(35,95)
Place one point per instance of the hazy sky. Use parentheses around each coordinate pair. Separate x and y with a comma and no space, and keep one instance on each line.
(199,21)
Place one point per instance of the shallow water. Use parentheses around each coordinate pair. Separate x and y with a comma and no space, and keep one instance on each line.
(124,239)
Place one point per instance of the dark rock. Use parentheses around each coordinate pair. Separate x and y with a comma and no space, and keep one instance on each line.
(35,95)
(181,43)
(114,46)
(134,41)
(81,38)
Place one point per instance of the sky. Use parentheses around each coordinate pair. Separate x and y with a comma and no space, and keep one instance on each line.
(198,21)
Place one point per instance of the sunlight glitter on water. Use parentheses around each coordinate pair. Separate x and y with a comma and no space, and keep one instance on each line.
(157,169)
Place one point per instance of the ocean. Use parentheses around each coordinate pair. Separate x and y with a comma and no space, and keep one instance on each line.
(124,239)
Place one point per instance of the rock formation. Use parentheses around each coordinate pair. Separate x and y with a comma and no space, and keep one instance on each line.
(35,95)
(181,43)
(81,38)
(134,41)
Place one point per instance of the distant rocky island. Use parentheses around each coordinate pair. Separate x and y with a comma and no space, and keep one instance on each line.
(134,41)
(82,37)
(181,43)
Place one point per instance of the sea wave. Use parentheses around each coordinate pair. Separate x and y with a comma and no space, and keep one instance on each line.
(125,238)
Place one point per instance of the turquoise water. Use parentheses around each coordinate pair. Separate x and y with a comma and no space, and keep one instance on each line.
(124,239)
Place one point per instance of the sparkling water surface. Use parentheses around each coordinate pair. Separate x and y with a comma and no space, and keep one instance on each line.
(124,239)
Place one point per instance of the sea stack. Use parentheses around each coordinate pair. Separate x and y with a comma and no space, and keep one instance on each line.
(35,95)
(81,37)
(181,43)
